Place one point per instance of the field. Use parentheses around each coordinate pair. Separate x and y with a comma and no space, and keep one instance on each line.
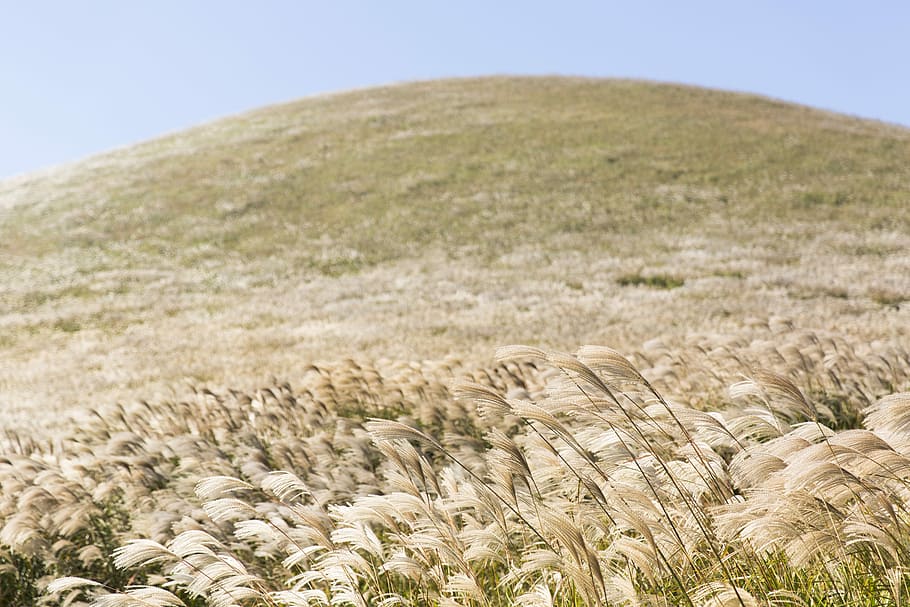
(266,361)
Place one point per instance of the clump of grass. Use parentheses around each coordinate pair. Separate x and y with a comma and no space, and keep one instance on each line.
(737,274)
(815,291)
(67,325)
(822,198)
(889,298)
(654,281)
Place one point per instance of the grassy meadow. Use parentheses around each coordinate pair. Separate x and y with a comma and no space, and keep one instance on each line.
(266,361)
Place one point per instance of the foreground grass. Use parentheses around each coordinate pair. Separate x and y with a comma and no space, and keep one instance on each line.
(548,479)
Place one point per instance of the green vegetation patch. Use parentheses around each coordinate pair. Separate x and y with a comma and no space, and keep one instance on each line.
(654,281)
(816,198)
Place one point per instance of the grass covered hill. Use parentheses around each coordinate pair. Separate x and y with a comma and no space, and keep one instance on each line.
(441,219)
(252,364)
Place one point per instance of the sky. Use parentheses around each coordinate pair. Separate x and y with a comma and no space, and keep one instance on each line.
(79,78)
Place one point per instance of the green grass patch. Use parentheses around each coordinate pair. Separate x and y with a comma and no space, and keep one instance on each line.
(829,199)
(653,281)
(67,325)
(735,274)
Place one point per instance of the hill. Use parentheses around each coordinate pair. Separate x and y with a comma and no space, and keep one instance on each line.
(251,363)
(443,219)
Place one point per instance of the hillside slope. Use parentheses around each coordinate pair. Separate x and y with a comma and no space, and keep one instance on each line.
(442,219)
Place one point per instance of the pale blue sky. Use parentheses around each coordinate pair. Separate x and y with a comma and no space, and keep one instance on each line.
(83,77)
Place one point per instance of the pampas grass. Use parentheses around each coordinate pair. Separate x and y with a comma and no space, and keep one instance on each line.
(553,479)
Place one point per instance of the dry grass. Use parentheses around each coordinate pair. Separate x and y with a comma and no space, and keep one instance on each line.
(169,440)
(547,479)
